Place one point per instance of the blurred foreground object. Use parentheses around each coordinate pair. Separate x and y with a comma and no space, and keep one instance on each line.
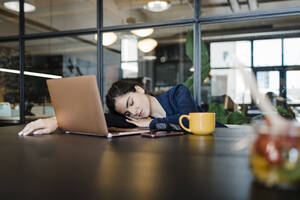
(275,159)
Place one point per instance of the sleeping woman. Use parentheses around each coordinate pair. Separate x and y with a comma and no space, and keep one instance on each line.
(140,108)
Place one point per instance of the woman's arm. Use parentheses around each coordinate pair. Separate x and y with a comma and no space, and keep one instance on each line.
(144,122)
(184,102)
(40,126)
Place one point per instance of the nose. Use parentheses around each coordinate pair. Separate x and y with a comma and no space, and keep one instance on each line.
(133,111)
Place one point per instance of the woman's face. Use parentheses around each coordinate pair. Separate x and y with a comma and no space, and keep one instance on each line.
(134,104)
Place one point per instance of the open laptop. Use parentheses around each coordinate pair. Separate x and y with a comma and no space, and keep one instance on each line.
(78,107)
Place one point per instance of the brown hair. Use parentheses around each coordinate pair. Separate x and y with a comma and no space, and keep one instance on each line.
(117,89)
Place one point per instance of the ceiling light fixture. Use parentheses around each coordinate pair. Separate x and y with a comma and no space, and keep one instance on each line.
(234,5)
(147,45)
(157,6)
(143,32)
(14,5)
(108,38)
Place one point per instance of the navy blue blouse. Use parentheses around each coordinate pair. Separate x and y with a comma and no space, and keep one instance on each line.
(176,102)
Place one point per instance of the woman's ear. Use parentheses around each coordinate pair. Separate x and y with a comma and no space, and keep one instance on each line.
(139,89)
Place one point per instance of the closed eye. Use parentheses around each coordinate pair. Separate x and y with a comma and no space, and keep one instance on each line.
(127,114)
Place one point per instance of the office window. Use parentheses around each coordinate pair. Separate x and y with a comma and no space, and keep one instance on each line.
(293,86)
(268,81)
(9,83)
(230,46)
(229,7)
(55,58)
(291,51)
(9,21)
(57,15)
(230,54)
(158,61)
(267,52)
(130,11)
(230,82)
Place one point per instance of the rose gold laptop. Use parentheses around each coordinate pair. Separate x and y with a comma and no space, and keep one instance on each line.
(78,107)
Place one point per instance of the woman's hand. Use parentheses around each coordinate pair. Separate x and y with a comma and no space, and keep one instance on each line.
(40,126)
(143,122)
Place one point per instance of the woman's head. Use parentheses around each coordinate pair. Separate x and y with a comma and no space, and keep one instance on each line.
(128,98)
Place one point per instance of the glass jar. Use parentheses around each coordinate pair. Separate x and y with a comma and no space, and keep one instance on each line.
(275,158)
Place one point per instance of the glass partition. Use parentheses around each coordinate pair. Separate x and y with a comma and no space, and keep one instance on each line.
(120,12)
(291,48)
(54,58)
(268,81)
(229,7)
(9,20)
(158,61)
(9,83)
(229,82)
(269,28)
(267,52)
(293,86)
(255,43)
(57,15)
(230,54)
(225,79)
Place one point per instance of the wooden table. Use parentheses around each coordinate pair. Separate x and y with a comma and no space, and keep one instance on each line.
(63,166)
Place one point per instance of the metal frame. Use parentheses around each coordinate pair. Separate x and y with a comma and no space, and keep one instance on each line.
(197,52)
(196,21)
(22,61)
(282,73)
(100,65)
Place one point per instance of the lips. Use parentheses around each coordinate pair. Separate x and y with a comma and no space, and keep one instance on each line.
(141,113)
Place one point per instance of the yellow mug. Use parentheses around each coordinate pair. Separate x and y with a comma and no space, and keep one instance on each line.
(200,123)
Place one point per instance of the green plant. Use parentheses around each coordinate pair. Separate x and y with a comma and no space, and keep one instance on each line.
(286,113)
(205,63)
(225,116)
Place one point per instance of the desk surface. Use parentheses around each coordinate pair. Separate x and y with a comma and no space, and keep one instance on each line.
(62,166)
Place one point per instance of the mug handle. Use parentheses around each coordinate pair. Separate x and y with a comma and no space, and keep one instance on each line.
(180,122)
